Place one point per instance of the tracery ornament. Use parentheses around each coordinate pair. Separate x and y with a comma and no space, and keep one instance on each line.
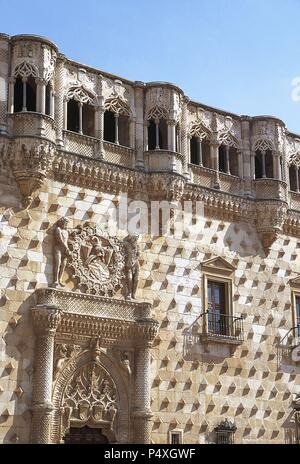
(90,397)
(263,145)
(117,106)
(294,160)
(199,130)
(80,94)
(25,70)
(157,112)
(226,138)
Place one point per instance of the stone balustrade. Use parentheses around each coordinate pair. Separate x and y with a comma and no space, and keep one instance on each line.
(27,123)
(164,160)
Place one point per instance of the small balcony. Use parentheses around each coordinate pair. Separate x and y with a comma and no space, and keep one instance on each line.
(29,123)
(164,160)
(81,144)
(222,328)
(270,189)
(295,200)
(119,154)
(207,177)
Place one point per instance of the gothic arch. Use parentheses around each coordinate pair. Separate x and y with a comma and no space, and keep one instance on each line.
(113,418)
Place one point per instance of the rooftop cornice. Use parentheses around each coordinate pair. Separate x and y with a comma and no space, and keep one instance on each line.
(35,38)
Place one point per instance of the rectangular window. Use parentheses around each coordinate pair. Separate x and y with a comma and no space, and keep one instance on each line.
(176,437)
(218,322)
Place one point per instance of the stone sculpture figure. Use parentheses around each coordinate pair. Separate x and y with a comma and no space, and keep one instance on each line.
(61,250)
(132,266)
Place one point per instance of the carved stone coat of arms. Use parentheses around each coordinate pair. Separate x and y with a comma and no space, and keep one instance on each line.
(96,260)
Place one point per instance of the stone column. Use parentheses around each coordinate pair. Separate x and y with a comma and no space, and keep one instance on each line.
(263,163)
(146,125)
(117,128)
(59,103)
(4,79)
(99,129)
(277,166)
(199,152)
(141,415)
(80,106)
(240,164)
(227,159)
(43,96)
(248,167)
(132,132)
(65,114)
(52,97)
(185,140)
(214,157)
(139,125)
(156,134)
(172,135)
(45,322)
(24,106)
(297,178)
(11,87)
(40,95)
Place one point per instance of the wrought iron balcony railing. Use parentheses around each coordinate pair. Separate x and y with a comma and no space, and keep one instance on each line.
(224,325)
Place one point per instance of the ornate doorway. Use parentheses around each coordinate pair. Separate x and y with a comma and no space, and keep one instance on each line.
(85,436)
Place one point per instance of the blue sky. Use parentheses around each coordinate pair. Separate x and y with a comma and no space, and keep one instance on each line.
(239,55)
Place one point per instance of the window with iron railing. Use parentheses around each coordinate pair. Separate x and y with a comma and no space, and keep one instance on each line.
(219,321)
(225,433)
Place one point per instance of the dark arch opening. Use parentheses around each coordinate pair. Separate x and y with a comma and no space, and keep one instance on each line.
(73,116)
(109,126)
(85,436)
(18,95)
(31,94)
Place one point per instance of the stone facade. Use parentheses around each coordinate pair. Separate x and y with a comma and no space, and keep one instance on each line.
(102,332)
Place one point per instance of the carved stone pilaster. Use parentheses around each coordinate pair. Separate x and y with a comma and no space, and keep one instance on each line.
(45,322)
(141,413)
(59,106)
(184,137)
